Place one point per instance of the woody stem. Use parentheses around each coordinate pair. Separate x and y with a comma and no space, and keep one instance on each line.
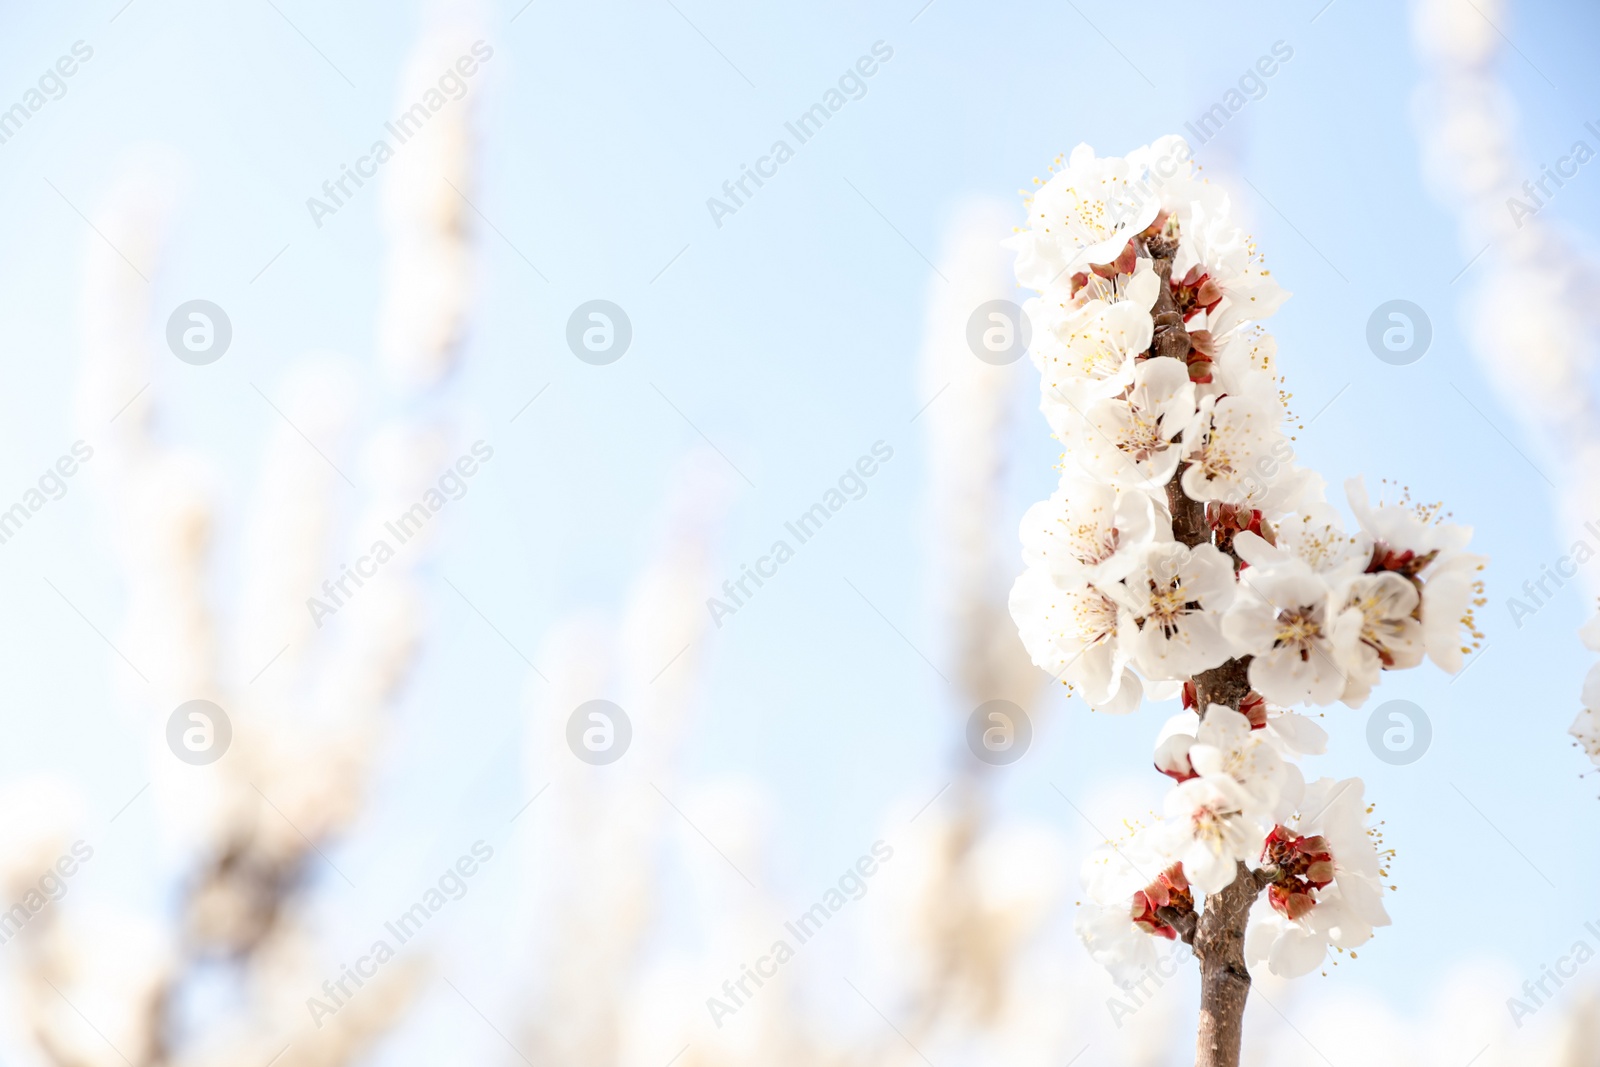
(1218,937)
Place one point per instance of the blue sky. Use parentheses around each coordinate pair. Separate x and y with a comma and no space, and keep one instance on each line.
(788,337)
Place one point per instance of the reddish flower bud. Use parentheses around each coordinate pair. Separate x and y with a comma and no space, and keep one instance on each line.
(1303,866)
(1169,890)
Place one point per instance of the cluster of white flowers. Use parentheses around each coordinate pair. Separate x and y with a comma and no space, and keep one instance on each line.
(1240,799)
(1183,539)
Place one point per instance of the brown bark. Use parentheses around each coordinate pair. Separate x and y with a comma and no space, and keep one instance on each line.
(1227,685)
(1224,981)
(1188,516)
(1218,936)
(1184,921)
(1171,339)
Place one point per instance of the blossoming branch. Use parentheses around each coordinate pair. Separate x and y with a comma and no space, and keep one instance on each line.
(1185,553)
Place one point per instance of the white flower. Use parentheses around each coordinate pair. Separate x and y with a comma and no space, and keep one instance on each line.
(1213,247)
(1225,745)
(1402,531)
(1211,829)
(1315,536)
(1293,488)
(1235,451)
(1127,884)
(1295,735)
(1175,597)
(1090,353)
(1375,631)
(1450,590)
(1132,442)
(1173,744)
(1245,363)
(1113,872)
(1071,632)
(1410,541)
(1088,532)
(1281,617)
(1084,215)
(1330,889)
(1069,298)
(1115,941)
(1167,167)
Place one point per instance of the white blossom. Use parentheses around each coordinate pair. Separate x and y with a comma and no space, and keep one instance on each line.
(1167,167)
(1183,539)
(1085,345)
(1245,363)
(1449,592)
(1212,826)
(1315,536)
(1345,902)
(1376,630)
(1115,941)
(1398,529)
(1226,744)
(1084,215)
(1132,442)
(1227,747)
(1295,735)
(1413,541)
(1282,618)
(1234,449)
(1090,532)
(1116,878)
(1174,597)
(1071,633)
(1213,247)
